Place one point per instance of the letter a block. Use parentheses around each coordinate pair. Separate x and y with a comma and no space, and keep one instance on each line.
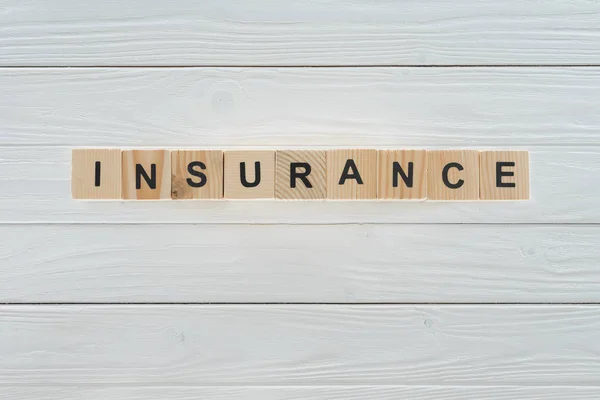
(352,174)
(96,174)
(196,174)
(249,174)
(146,174)
(453,175)
(504,175)
(301,175)
(402,174)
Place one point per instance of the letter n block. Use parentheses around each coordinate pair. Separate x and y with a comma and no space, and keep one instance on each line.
(196,174)
(453,175)
(300,175)
(146,174)
(249,174)
(504,175)
(96,174)
(402,174)
(352,174)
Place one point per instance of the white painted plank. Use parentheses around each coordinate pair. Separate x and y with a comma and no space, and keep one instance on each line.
(304,263)
(299,345)
(300,106)
(384,392)
(315,32)
(35,187)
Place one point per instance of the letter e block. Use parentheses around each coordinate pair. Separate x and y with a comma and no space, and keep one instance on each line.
(196,174)
(249,174)
(352,174)
(146,174)
(402,174)
(300,175)
(96,174)
(453,175)
(504,175)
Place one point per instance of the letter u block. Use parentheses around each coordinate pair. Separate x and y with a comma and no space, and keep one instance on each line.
(249,174)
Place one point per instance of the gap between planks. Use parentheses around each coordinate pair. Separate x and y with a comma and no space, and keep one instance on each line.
(310,66)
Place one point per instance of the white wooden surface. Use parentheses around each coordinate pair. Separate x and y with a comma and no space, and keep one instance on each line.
(300,106)
(300,263)
(313,32)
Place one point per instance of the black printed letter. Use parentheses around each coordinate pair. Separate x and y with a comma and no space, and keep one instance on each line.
(346,173)
(500,174)
(97,174)
(245,183)
(445,175)
(199,174)
(150,180)
(397,169)
(294,174)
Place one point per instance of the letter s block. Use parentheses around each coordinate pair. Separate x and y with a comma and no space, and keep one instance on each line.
(196,174)
(146,174)
(504,175)
(249,174)
(96,174)
(453,175)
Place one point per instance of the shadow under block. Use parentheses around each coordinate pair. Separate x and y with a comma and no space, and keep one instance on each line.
(352,174)
(504,175)
(196,174)
(96,174)
(453,175)
(402,174)
(146,174)
(301,175)
(249,174)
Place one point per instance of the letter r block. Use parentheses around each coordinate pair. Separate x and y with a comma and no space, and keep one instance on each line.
(96,174)
(301,175)
(504,175)
(352,174)
(196,174)
(453,175)
(151,169)
(249,174)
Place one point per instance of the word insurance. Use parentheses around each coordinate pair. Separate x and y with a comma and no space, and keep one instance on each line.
(338,174)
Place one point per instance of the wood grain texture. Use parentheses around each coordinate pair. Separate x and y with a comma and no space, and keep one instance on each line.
(299,345)
(146,174)
(206,163)
(304,263)
(96,174)
(354,392)
(507,182)
(36,183)
(352,174)
(453,175)
(391,184)
(324,32)
(301,107)
(249,174)
(307,165)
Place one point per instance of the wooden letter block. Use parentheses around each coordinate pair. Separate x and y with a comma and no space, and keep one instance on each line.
(504,175)
(250,174)
(352,174)
(402,174)
(196,174)
(301,175)
(96,174)
(453,175)
(146,174)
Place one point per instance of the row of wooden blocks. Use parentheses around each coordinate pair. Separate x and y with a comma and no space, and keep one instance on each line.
(339,174)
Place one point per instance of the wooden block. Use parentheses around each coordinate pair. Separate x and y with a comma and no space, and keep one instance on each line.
(301,175)
(402,174)
(453,175)
(249,174)
(352,174)
(504,175)
(146,174)
(196,174)
(96,174)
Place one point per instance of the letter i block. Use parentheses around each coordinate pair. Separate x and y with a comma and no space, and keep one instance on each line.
(196,174)
(96,174)
(249,174)
(402,174)
(146,174)
(300,175)
(352,174)
(504,175)
(453,175)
